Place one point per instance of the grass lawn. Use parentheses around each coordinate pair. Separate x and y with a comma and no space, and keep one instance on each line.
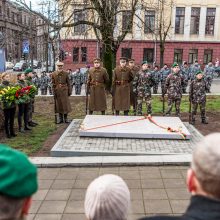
(31,142)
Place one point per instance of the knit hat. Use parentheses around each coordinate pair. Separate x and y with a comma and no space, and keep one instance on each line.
(18,176)
(107,198)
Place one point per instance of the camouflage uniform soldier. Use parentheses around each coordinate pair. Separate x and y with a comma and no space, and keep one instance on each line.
(44,83)
(97,82)
(36,81)
(122,76)
(209,75)
(134,70)
(156,77)
(164,72)
(193,70)
(86,74)
(185,74)
(78,80)
(173,87)
(197,95)
(142,84)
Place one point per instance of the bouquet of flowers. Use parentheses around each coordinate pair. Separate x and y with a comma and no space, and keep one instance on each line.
(32,91)
(7,95)
(22,95)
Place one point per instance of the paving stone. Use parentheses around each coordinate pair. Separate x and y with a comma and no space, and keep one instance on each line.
(178,193)
(48,217)
(82,175)
(45,184)
(35,205)
(133,184)
(129,175)
(62,194)
(52,207)
(67,175)
(174,183)
(77,194)
(171,173)
(48,174)
(150,174)
(40,194)
(179,206)
(82,184)
(63,184)
(75,207)
(74,217)
(157,206)
(154,194)
(30,217)
(136,194)
(137,207)
(152,183)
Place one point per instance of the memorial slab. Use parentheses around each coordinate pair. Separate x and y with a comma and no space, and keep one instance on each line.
(134,127)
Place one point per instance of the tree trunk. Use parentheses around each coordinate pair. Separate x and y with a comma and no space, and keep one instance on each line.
(162,49)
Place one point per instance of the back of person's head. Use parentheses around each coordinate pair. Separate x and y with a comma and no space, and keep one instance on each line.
(206,165)
(18,182)
(107,198)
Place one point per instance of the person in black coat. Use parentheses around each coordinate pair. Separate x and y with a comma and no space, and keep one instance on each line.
(9,111)
(203,181)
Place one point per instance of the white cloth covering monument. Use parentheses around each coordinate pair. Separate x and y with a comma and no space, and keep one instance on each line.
(133,127)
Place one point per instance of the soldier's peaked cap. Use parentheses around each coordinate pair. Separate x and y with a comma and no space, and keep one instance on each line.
(96,60)
(144,62)
(175,65)
(199,72)
(123,58)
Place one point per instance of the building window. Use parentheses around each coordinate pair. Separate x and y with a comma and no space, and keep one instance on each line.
(79,16)
(194,23)
(148,55)
(179,21)
(126,52)
(178,56)
(207,56)
(84,54)
(126,21)
(149,22)
(75,54)
(210,21)
(193,55)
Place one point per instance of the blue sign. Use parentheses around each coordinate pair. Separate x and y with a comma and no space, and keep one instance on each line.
(26,46)
(2,60)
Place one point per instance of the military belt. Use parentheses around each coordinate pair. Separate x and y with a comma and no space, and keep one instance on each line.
(96,84)
(122,82)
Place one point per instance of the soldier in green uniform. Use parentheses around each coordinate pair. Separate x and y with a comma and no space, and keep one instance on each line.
(62,91)
(197,95)
(142,84)
(156,77)
(122,77)
(96,84)
(173,87)
(18,184)
(134,69)
(29,77)
(44,80)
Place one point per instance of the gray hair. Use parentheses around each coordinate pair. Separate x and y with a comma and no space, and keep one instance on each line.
(10,208)
(206,164)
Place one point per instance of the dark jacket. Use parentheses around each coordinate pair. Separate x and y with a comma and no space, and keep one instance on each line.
(200,208)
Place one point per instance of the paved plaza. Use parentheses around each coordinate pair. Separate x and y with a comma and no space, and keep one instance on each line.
(154,190)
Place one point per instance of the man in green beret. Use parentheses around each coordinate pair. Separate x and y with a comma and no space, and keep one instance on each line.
(142,84)
(29,79)
(197,95)
(18,182)
(173,87)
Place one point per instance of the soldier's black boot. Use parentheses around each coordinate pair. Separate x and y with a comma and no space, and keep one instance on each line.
(204,121)
(126,113)
(117,112)
(26,128)
(103,112)
(66,119)
(60,119)
(90,112)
